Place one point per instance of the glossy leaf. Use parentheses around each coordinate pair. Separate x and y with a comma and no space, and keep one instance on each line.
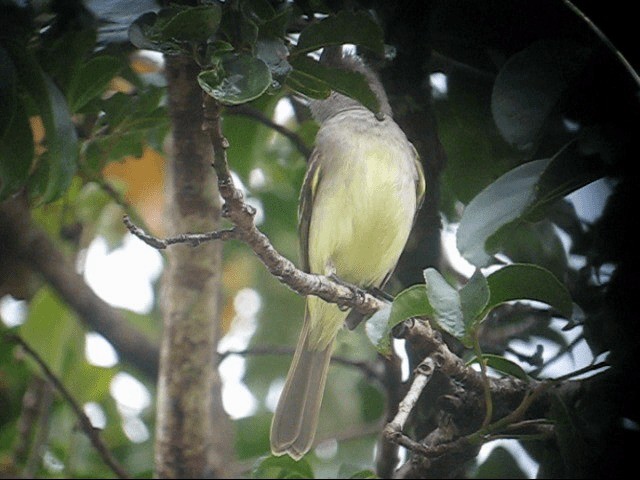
(16,151)
(349,83)
(522,194)
(504,201)
(411,302)
(62,140)
(528,281)
(282,467)
(91,79)
(240,79)
(502,364)
(577,164)
(529,86)
(445,301)
(194,24)
(474,296)
(165,30)
(537,243)
(357,28)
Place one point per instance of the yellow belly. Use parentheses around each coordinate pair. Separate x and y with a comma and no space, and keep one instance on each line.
(361,219)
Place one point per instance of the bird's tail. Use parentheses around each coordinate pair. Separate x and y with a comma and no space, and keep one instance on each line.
(296,417)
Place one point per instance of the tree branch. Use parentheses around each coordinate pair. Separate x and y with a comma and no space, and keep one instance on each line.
(245,230)
(256,114)
(87,427)
(27,242)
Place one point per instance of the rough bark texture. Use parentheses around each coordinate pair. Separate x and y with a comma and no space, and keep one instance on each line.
(193,438)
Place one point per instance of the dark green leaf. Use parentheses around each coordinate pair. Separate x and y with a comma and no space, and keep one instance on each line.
(173,27)
(378,331)
(238,29)
(241,79)
(62,140)
(445,301)
(16,152)
(537,243)
(530,84)
(502,364)
(411,302)
(571,168)
(51,339)
(271,23)
(373,402)
(252,435)
(307,85)
(531,282)
(349,83)
(504,201)
(364,474)
(358,28)
(194,24)
(474,296)
(282,467)
(522,194)
(91,79)
(8,90)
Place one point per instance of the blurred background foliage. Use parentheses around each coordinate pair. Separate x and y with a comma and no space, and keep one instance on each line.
(480,87)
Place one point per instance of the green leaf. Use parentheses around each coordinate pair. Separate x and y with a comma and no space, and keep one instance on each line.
(346,82)
(307,85)
(529,86)
(166,30)
(358,28)
(62,140)
(8,90)
(282,467)
(474,296)
(530,282)
(252,435)
(537,243)
(445,301)
(51,330)
(522,194)
(378,330)
(193,24)
(373,401)
(573,167)
(504,201)
(271,23)
(411,302)
(16,152)
(501,364)
(364,474)
(241,79)
(91,79)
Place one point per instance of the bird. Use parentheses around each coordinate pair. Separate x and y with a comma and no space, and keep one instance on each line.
(362,189)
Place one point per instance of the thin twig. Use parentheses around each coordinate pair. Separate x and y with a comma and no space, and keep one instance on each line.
(423,373)
(256,114)
(242,216)
(193,239)
(625,63)
(85,422)
(488,401)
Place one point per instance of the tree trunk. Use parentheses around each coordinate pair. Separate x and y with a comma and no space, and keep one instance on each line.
(193,436)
